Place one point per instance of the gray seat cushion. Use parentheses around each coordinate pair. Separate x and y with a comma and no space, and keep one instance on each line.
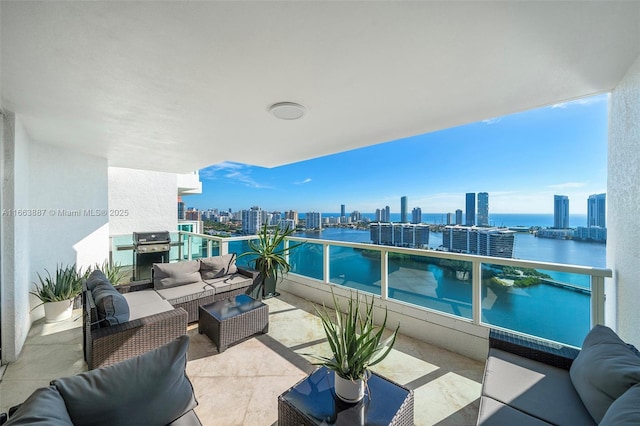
(150,389)
(534,388)
(186,293)
(624,410)
(495,413)
(229,283)
(44,406)
(146,302)
(166,275)
(604,370)
(218,266)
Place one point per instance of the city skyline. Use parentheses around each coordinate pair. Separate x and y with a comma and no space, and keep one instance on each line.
(522,160)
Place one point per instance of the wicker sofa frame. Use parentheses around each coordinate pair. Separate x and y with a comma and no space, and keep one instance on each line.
(107,345)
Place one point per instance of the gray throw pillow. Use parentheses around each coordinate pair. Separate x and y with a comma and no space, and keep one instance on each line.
(166,275)
(218,266)
(150,389)
(96,277)
(112,307)
(44,406)
(624,410)
(604,369)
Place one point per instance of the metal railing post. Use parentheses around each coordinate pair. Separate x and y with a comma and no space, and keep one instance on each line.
(597,300)
(189,242)
(325,263)
(476,293)
(384,274)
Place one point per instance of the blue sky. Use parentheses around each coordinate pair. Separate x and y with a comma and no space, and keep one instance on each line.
(521,160)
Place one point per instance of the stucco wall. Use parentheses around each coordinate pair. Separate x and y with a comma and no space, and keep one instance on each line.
(15,238)
(142,201)
(71,189)
(623,206)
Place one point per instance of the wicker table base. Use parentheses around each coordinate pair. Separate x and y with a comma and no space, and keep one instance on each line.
(228,321)
(312,402)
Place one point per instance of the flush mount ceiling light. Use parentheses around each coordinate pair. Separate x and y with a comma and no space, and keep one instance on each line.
(287,110)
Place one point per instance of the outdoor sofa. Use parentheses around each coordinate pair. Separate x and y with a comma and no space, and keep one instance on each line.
(127,320)
(149,389)
(531,382)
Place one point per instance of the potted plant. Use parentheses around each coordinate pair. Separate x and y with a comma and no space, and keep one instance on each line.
(57,293)
(114,272)
(270,257)
(356,344)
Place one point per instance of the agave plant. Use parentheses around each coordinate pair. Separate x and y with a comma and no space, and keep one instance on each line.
(65,285)
(113,271)
(270,254)
(355,341)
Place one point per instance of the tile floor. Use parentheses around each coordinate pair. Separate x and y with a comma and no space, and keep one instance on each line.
(240,386)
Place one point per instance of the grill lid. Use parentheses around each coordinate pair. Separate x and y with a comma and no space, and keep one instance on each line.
(146,238)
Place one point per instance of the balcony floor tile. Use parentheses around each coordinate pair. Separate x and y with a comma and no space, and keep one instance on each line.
(240,386)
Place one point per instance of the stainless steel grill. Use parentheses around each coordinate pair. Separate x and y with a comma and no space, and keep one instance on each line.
(149,248)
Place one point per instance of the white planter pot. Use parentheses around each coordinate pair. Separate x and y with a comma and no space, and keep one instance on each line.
(58,311)
(347,390)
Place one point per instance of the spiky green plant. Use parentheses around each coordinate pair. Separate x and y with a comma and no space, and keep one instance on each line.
(270,252)
(65,285)
(113,271)
(355,341)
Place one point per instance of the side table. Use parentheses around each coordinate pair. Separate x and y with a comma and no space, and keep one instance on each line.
(230,320)
(312,401)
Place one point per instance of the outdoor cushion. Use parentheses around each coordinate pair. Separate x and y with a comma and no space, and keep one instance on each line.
(534,388)
(166,275)
(145,303)
(186,293)
(604,369)
(624,410)
(44,406)
(218,266)
(150,389)
(495,413)
(96,277)
(232,282)
(112,307)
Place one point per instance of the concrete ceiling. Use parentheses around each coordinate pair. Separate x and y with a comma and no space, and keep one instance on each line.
(177,86)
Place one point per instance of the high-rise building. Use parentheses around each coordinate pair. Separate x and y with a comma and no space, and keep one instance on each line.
(387,214)
(482,241)
(293,215)
(400,234)
(404,209)
(180,209)
(356,216)
(450,218)
(313,220)
(458,217)
(416,215)
(251,220)
(483,209)
(470,213)
(597,210)
(343,210)
(560,211)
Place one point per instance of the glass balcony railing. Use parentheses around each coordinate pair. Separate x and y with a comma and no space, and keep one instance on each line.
(552,301)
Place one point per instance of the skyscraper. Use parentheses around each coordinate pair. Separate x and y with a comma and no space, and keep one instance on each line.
(342,210)
(560,211)
(313,220)
(470,213)
(251,220)
(483,209)
(404,209)
(387,214)
(597,210)
(416,215)
(458,217)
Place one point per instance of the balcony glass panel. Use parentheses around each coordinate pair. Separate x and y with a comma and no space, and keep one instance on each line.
(122,249)
(240,247)
(549,304)
(440,284)
(307,260)
(355,268)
